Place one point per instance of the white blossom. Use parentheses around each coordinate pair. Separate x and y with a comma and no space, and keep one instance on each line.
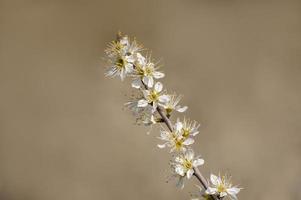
(143,115)
(175,140)
(121,55)
(172,104)
(145,72)
(187,128)
(153,96)
(183,165)
(222,187)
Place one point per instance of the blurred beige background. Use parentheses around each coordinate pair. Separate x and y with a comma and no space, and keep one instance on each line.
(64,134)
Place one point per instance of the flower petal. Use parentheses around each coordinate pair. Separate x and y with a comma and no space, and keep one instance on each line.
(179,159)
(211,190)
(142,103)
(188,141)
(195,133)
(158,87)
(180,182)
(189,154)
(136,83)
(180,170)
(148,80)
(214,179)
(146,93)
(198,162)
(141,59)
(161,146)
(233,196)
(158,75)
(178,126)
(122,74)
(164,98)
(233,190)
(189,173)
(181,109)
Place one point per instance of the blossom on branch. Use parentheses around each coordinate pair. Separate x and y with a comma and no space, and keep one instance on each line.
(145,72)
(221,186)
(152,105)
(183,165)
(172,105)
(153,96)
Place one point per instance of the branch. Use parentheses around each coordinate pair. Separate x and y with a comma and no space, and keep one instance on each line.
(196,173)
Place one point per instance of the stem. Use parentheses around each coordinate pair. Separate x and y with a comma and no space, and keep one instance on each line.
(165,119)
(196,173)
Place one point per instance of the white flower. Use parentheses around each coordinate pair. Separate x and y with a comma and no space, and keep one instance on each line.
(175,139)
(120,66)
(145,72)
(121,56)
(172,105)
(187,128)
(144,115)
(222,187)
(154,97)
(122,46)
(184,163)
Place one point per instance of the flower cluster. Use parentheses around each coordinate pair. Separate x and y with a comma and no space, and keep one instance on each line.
(154,105)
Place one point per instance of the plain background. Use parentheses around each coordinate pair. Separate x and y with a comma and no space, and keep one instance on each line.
(64,134)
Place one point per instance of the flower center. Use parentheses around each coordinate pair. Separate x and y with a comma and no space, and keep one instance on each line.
(153,96)
(186,132)
(178,143)
(168,110)
(120,63)
(221,188)
(187,164)
(148,71)
(119,46)
(139,70)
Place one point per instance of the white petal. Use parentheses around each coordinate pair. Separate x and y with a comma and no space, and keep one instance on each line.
(188,141)
(136,83)
(214,179)
(149,81)
(161,146)
(158,87)
(178,159)
(164,135)
(189,154)
(129,68)
(180,182)
(233,190)
(146,93)
(189,173)
(142,103)
(122,74)
(180,170)
(164,98)
(178,126)
(141,59)
(158,75)
(181,109)
(198,162)
(233,196)
(211,190)
(124,41)
(195,133)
